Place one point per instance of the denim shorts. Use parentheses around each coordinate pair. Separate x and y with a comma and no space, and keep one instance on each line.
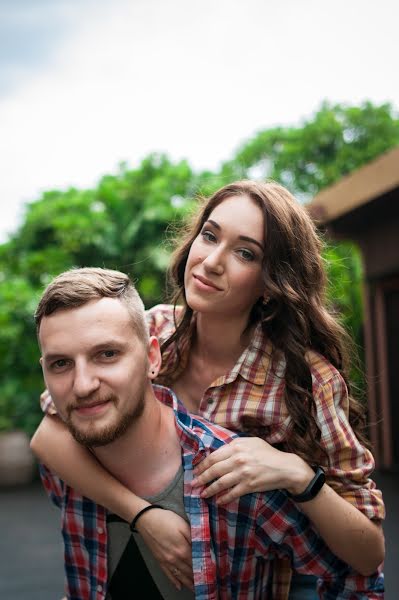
(303,587)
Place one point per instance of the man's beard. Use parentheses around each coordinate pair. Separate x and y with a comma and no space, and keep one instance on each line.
(91,435)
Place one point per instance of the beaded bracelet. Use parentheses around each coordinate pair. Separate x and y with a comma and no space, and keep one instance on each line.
(141,512)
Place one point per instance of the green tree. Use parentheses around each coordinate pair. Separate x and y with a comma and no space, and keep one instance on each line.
(335,141)
(19,363)
(121,224)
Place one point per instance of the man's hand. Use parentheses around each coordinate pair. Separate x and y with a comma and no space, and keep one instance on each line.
(168,537)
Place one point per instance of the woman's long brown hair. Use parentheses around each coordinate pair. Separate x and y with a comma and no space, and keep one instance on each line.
(295,318)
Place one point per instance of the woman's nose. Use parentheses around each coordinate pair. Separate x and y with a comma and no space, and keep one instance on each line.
(215,261)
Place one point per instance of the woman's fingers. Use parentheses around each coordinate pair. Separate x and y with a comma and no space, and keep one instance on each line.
(223,483)
(220,455)
(168,537)
(181,576)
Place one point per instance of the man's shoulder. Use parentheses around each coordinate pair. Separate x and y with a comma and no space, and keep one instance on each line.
(210,433)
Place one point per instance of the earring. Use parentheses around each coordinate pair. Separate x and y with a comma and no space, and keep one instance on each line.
(265,302)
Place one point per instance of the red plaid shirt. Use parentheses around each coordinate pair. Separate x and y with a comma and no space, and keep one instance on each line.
(233,546)
(255,388)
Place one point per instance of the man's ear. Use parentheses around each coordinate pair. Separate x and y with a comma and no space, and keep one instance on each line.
(154,357)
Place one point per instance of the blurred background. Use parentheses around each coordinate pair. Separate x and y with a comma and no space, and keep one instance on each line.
(115,117)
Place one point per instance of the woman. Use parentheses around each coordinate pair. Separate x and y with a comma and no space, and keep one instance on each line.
(254,348)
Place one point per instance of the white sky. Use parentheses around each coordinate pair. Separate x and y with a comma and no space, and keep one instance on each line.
(85,84)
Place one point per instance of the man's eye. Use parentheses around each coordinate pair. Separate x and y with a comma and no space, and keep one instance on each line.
(109,353)
(59,364)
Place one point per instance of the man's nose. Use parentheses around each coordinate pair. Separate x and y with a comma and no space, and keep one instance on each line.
(86,381)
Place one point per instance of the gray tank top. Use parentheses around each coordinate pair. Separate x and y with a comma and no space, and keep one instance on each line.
(119,534)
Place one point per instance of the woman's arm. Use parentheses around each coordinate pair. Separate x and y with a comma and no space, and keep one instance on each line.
(348,512)
(252,465)
(165,532)
(55,447)
(349,533)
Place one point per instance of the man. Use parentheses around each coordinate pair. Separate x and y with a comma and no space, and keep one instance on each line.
(98,363)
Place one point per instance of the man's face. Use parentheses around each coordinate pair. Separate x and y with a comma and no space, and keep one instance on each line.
(95,368)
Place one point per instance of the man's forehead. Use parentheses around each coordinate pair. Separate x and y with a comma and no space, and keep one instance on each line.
(102,318)
(93,310)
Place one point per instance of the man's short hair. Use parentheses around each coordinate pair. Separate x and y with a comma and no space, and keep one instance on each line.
(76,287)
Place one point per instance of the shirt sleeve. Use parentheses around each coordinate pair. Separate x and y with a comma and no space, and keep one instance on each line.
(350,464)
(47,405)
(53,485)
(160,320)
(280,520)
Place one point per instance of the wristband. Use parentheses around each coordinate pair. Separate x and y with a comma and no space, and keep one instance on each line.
(312,489)
(141,512)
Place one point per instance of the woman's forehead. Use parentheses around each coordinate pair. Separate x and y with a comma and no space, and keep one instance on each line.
(241,214)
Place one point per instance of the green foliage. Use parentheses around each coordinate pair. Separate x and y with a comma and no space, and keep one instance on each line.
(121,224)
(335,141)
(329,145)
(21,373)
(344,270)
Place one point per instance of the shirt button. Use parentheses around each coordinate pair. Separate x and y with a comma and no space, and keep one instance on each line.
(99,588)
(100,530)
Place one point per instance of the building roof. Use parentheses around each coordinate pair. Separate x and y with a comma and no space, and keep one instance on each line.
(357,189)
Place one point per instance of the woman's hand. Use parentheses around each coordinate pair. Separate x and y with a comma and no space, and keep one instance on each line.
(249,464)
(168,537)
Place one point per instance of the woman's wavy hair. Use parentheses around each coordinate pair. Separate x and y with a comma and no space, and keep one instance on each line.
(295,317)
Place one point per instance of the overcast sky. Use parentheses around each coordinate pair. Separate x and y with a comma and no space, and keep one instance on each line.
(85,84)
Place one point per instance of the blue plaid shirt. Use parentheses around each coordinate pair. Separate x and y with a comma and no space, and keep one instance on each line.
(232,545)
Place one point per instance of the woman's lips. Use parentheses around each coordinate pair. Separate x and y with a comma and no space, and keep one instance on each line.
(205,284)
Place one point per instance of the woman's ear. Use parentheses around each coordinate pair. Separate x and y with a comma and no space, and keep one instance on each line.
(265,299)
(154,358)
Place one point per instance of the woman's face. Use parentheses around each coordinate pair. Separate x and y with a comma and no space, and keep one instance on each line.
(224,267)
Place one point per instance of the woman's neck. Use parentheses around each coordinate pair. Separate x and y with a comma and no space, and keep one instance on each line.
(220,340)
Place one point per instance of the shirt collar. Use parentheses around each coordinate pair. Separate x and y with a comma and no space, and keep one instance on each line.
(191,442)
(254,362)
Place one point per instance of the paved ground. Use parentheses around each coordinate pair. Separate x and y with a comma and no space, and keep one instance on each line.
(31,549)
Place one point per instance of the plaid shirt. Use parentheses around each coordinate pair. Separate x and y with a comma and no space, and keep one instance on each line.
(255,388)
(232,545)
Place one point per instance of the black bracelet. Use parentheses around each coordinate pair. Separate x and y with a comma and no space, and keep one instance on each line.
(313,487)
(141,512)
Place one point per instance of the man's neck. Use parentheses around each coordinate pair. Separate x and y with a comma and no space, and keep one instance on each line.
(146,458)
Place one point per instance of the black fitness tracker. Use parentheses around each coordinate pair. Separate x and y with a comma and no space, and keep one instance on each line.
(313,488)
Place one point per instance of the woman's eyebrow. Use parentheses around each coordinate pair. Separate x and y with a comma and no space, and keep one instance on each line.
(245,238)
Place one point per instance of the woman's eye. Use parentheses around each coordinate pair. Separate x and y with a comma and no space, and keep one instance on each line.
(208,236)
(246,254)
